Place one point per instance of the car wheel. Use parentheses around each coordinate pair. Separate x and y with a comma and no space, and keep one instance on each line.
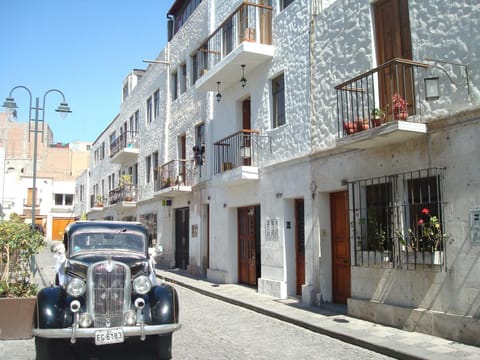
(161,346)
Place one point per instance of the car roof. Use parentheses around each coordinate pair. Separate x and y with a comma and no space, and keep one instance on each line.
(104,225)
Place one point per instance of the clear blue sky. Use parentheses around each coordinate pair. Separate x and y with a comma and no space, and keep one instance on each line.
(84,48)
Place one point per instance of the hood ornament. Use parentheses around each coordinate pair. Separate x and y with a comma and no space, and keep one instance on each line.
(109,264)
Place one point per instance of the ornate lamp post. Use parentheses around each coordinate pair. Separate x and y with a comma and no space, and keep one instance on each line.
(39,116)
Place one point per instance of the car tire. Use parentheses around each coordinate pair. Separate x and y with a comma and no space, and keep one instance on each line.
(161,346)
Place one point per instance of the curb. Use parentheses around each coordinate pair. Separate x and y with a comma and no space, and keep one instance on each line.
(384,350)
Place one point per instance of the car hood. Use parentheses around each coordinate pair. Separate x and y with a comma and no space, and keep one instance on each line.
(78,265)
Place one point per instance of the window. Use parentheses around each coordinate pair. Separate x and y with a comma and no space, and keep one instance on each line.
(134,123)
(278,99)
(183,78)
(194,75)
(174,85)
(102,151)
(155,165)
(58,199)
(156,105)
(148,169)
(285,3)
(135,174)
(30,195)
(397,220)
(183,12)
(96,156)
(199,148)
(113,137)
(125,91)
(228,36)
(63,199)
(149,110)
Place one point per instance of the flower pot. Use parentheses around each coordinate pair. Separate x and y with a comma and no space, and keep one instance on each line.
(423,258)
(350,128)
(401,115)
(16,318)
(363,124)
(377,121)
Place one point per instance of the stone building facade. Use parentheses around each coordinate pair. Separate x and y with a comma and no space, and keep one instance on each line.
(322,149)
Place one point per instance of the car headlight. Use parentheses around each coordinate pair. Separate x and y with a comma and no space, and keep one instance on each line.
(142,285)
(76,287)
(85,320)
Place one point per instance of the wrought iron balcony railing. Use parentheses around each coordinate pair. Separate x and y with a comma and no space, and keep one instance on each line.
(125,140)
(174,173)
(391,91)
(239,149)
(249,22)
(122,193)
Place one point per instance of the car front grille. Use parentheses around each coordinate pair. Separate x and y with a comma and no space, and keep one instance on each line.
(109,293)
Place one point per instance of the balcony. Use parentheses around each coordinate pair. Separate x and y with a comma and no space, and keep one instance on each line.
(174,178)
(384,105)
(124,149)
(236,156)
(243,38)
(124,196)
(96,203)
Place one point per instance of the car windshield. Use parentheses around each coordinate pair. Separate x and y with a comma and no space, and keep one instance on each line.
(108,241)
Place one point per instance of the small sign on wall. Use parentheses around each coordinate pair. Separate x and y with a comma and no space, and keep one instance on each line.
(194,230)
(271,229)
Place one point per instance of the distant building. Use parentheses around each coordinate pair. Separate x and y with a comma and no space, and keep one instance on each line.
(320,149)
(58,165)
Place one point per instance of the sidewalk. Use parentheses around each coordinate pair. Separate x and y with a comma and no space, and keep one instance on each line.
(329,320)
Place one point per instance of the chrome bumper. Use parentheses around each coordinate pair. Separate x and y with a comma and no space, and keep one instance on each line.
(90,332)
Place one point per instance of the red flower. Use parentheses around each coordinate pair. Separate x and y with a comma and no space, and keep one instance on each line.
(425,211)
(420,222)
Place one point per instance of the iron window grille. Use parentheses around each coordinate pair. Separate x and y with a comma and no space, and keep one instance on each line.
(396,221)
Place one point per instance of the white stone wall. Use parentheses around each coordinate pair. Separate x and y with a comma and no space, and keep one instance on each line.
(343,47)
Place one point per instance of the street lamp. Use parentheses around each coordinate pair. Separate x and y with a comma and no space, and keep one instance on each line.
(63,109)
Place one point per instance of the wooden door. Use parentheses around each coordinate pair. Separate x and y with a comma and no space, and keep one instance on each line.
(248,245)
(393,40)
(265,22)
(58,227)
(181,238)
(300,243)
(340,247)
(182,169)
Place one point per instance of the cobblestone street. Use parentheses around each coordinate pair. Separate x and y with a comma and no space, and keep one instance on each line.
(213,329)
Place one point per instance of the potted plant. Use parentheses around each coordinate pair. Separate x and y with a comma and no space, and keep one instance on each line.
(362,124)
(378,117)
(19,243)
(399,107)
(427,239)
(99,201)
(125,181)
(125,184)
(350,127)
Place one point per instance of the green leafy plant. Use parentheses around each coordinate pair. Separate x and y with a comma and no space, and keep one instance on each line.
(378,113)
(18,244)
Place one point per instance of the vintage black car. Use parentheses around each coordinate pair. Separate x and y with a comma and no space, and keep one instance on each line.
(107,294)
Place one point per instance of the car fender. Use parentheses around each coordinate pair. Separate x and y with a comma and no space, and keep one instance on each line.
(52,310)
(163,301)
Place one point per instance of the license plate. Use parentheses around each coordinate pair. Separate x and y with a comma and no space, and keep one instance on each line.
(108,336)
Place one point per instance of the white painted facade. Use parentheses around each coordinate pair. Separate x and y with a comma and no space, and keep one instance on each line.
(316,45)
